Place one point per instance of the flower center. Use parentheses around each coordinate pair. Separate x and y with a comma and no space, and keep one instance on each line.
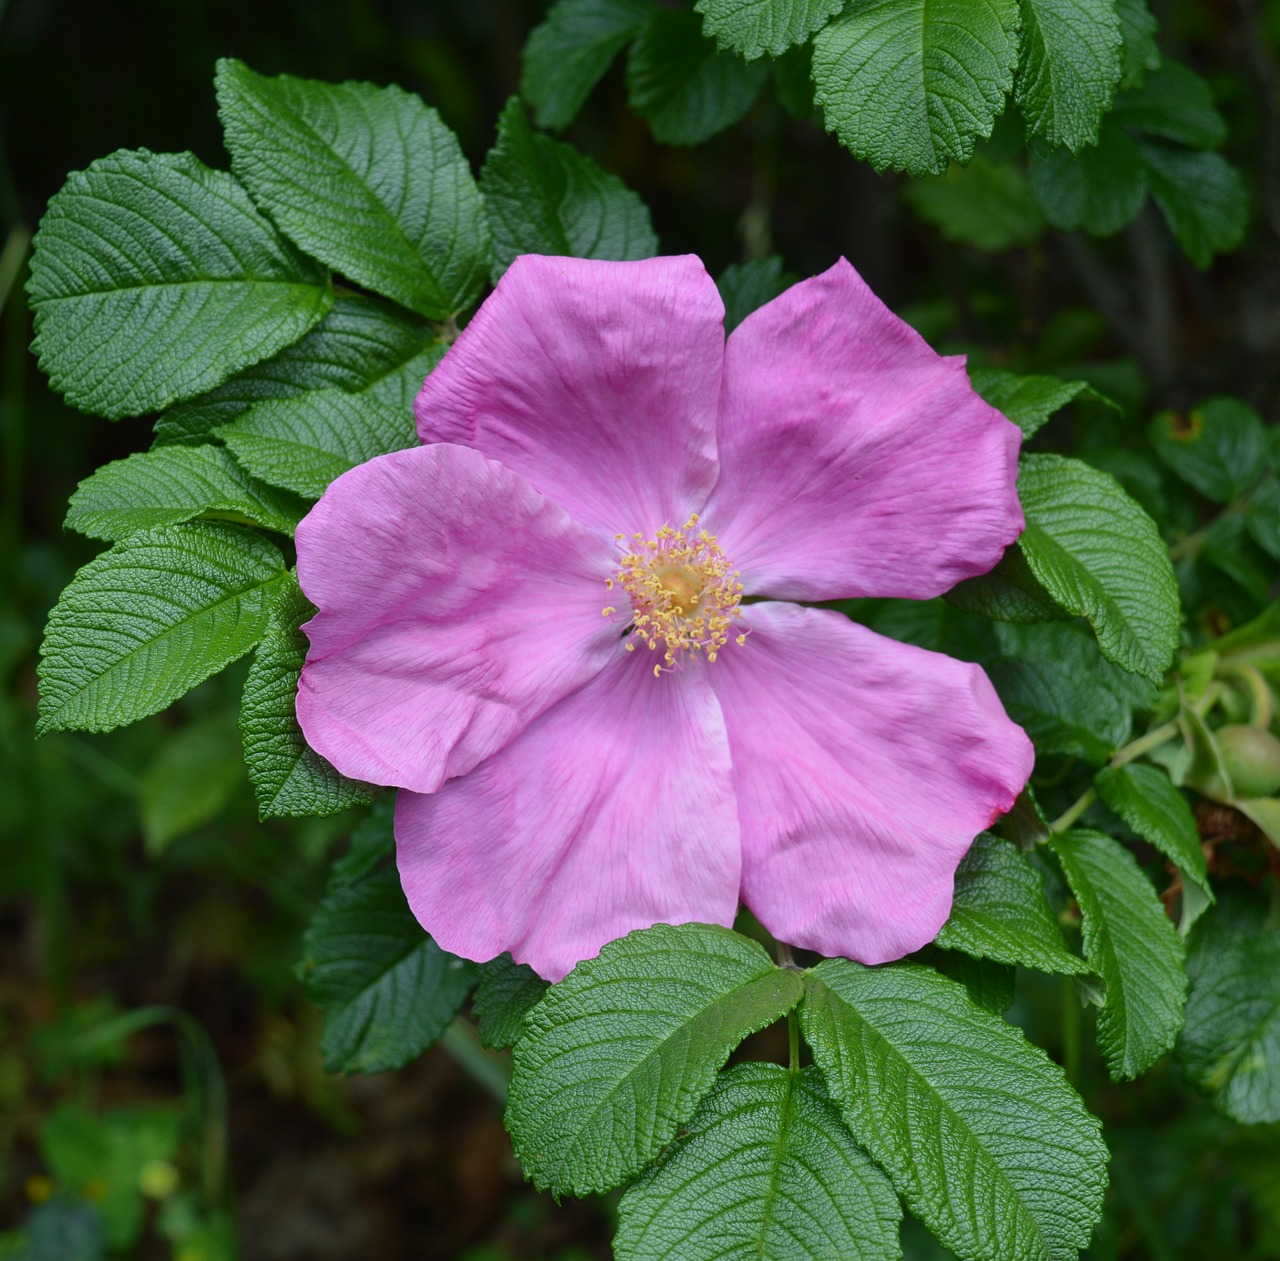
(684,596)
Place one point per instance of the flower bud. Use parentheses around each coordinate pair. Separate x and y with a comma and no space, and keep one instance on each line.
(1251,756)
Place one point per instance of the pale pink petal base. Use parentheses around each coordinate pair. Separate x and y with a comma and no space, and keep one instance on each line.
(854,460)
(455,605)
(864,768)
(597,381)
(612,812)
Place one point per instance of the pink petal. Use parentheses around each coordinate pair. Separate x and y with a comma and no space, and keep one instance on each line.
(612,812)
(455,605)
(864,769)
(597,381)
(854,460)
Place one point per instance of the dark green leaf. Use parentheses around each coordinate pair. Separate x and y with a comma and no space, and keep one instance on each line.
(1000,912)
(910,84)
(1132,944)
(986,204)
(146,621)
(1220,447)
(1100,189)
(990,984)
(1008,593)
(1069,68)
(618,1055)
(766,1169)
(1202,198)
(1099,555)
(1029,400)
(1176,104)
(372,841)
(153,279)
(979,1132)
(172,485)
(745,287)
(566,56)
(191,779)
(1139,52)
(367,179)
(544,197)
(752,28)
(506,993)
(288,777)
(1262,517)
(387,990)
(687,89)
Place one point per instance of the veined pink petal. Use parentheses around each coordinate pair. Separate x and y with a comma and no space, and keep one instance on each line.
(853,459)
(864,768)
(612,812)
(455,603)
(597,381)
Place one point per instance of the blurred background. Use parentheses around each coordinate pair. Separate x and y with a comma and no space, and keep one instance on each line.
(161,1092)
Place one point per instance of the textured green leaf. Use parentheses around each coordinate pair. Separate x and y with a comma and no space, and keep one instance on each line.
(507,992)
(1132,944)
(288,776)
(1220,447)
(986,204)
(1101,189)
(910,84)
(154,278)
(618,1055)
(977,1129)
(172,485)
(1138,51)
(367,179)
(686,89)
(303,443)
(1069,68)
(1099,556)
(190,780)
(1202,197)
(1000,912)
(1030,400)
(990,984)
(766,1169)
(1147,801)
(364,345)
(752,28)
(146,621)
(544,197)
(746,287)
(1008,593)
(387,990)
(567,55)
(1176,104)
(1230,1046)
(372,841)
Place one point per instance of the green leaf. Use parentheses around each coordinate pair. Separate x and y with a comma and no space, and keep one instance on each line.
(364,345)
(1138,51)
(618,1055)
(367,179)
(507,992)
(146,621)
(989,984)
(684,87)
(1220,447)
(1202,197)
(154,278)
(1230,1046)
(1146,800)
(1008,593)
(372,840)
(387,990)
(1069,68)
(978,1131)
(544,197)
(192,778)
(1030,400)
(746,287)
(752,28)
(766,1169)
(1100,189)
(567,55)
(986,204)
(1000,912)
(288,776)
(1262,517)
(172,485)
(1176,104)
(910,84)
(303,443)
(1132,944)
(1099,556)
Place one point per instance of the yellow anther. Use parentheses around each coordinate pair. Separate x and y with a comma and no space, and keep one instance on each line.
(608,610)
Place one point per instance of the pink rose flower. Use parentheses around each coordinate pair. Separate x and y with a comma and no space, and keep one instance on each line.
(564,627)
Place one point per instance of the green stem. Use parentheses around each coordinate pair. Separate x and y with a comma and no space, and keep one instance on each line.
(1144,744)
(793,1039)
(1073,811)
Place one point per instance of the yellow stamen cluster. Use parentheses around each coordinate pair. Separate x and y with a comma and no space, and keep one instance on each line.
(684,596)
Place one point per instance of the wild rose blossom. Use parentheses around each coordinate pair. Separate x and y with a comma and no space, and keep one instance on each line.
(565,627)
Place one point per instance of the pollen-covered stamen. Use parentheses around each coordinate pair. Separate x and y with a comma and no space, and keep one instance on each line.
(684,596)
